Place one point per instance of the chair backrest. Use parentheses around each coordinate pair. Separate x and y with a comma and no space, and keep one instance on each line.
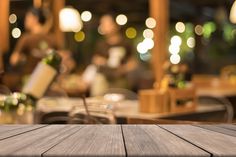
(130,95)
(54,118)
(163,121)
(208,100)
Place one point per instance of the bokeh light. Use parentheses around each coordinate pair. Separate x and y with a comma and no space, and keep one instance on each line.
(148,33)
(148,43)
(191,42)
(86,16)
(198,30)
(12,18)
(174,49)
(69,20)
(145,56)
(141,48)
(180,27)
(176,40)
(79,36)
(121,19)
(131,32)
(175,59)
(150,22)
(16,33)
(100,30)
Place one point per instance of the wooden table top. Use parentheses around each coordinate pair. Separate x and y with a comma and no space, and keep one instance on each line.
(127,108)
(118,140)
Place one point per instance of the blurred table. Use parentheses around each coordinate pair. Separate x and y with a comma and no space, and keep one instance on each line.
(213,86)
(218,91)
(123,109)
(118,140)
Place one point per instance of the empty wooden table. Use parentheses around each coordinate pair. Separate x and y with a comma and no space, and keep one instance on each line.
(118,140)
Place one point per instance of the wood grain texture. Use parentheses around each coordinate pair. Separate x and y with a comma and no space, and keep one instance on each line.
(36,142)
(7,131)
(151,140)
(219,129)
(216,143)
(92,140)
(228,126)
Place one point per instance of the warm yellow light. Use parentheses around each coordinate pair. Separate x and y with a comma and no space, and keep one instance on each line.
(16,33)
(199,30)
(232,15)
(150,22)
(176,40)
(180,27)
(69,20)
(86,16)
(191,42)
(148,33)
(121,19)
(131,32)
(79,36)
(175,59)
(12,18)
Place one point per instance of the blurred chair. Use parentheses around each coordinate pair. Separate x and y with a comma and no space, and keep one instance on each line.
(127,94)
(162,121)
(54,118)
(91,113)
(208,100)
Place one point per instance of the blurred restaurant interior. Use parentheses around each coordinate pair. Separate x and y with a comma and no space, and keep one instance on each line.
(117,61)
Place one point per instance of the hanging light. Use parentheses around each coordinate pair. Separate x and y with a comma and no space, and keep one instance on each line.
(69,20)
(232,15)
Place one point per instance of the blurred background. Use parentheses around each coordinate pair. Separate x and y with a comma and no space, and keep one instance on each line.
(161,37)
(207,35)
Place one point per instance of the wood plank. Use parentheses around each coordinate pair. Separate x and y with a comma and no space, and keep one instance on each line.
(7,131)
(216,143)
(228,126)
(219,129)
(151,140)
(35,143)
(92,140)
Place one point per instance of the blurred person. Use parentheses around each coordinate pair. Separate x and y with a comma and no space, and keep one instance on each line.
(33,45)
(113,59)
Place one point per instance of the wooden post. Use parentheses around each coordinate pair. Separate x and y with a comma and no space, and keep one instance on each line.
(59,35)
(159,10)
(4,25)
(37,3)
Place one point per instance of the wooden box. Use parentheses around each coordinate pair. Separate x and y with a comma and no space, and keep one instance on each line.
(153,101)
(182,100)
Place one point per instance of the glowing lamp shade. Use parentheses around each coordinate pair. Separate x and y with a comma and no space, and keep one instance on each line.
(69,20)
(232,15)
